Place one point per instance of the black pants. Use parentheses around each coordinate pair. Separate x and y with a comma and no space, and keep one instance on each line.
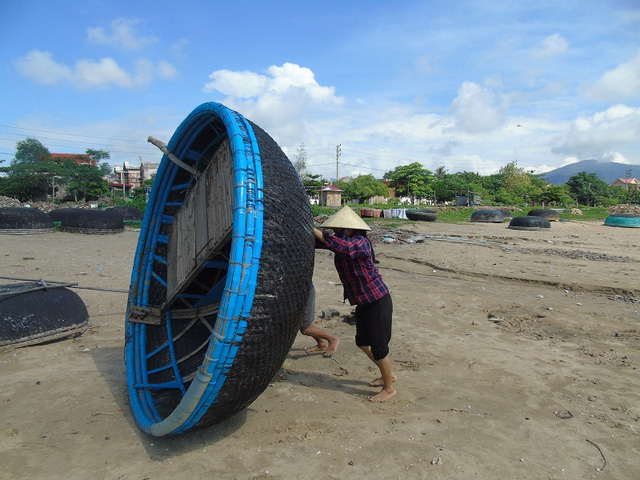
(373,326)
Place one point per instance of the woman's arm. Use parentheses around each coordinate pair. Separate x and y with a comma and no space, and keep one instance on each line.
(319,235)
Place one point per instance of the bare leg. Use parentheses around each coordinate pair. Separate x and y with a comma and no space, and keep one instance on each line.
(386,375)
(326,342)
(378,382)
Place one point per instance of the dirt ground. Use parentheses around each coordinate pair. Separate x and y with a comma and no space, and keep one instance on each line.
(517,356)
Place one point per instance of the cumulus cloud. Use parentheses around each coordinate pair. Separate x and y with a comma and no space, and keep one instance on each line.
(239,85)
(289,79)
(477,108)
(602,135)
(551,46)
(121,34)
(282,100)
(41,67)
(619,84)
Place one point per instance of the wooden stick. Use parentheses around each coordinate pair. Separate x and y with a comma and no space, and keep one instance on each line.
(601,454)
(163,147)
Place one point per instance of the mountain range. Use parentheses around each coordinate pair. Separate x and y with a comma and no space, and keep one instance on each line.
(606,171)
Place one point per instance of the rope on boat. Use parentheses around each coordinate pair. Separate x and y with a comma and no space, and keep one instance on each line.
(54,283)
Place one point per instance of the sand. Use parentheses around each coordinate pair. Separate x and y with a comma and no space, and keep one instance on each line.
(517,356)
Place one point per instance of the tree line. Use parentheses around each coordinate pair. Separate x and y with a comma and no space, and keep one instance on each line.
(512,185)
(34,174)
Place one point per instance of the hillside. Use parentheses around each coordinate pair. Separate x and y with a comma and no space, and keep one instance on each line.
(607,171)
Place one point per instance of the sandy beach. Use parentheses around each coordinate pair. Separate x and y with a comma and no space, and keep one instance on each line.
(517,356)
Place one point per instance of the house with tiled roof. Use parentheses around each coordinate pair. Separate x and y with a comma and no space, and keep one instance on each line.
(627,183)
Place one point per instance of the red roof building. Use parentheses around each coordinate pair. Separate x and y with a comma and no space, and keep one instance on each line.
(79,158)
(627,183)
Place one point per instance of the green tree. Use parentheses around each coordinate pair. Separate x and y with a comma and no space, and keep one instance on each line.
(514,178)
(440,172)
(550,195)
(586,188)
(97,155)
(31,151)
(313,183)
(365,187)
(31,172)
(86,182)
(411,180)
(624,195)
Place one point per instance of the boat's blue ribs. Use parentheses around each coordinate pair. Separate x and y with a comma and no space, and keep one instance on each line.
(213,295)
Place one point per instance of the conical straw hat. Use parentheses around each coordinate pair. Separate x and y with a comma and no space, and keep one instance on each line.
(345,218)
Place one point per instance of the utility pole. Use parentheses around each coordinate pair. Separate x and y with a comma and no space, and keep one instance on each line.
(338,152)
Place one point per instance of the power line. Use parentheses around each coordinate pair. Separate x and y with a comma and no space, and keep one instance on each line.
(365,168)
(71,134)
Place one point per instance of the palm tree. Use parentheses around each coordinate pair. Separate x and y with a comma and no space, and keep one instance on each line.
(440,172)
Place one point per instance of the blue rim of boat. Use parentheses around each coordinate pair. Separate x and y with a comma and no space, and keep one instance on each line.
(235,299)
(623,220)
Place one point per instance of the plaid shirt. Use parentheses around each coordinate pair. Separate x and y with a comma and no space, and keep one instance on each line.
(360,277)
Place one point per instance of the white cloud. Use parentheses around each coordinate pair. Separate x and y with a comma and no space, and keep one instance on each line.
(477,108)
(281,101)
(239,85)
(621,83)
(603,135)
(89,73)
(121,33)
(166,70)
(41,67)
(551,46)
(288,80)
(86,73)
(178,48)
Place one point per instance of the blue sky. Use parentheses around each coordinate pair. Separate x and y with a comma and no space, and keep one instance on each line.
(470,86)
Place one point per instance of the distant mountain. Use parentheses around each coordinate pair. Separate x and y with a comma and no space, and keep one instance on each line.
(606,171)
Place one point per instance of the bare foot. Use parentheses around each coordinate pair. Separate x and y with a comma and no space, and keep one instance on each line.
(316,348)
(333,346)
(383,396)
(379,383)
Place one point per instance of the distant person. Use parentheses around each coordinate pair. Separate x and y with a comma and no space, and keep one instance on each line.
(363,286)
(325,341)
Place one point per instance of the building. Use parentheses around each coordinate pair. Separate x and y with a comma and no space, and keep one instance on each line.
(128,177)
(468,200)
(627,183)
(330,196)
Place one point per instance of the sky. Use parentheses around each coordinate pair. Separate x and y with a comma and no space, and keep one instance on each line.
(465,85)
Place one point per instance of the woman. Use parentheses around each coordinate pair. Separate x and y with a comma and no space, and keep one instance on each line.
(363,286)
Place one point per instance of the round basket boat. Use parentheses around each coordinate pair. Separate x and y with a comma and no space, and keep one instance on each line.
(128,214)
(628,220)
(529,222)
(506,213)
(79,220)
(487,216)
(20,220)
(221,276)
(32,313)
(550,215)
(422,215)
